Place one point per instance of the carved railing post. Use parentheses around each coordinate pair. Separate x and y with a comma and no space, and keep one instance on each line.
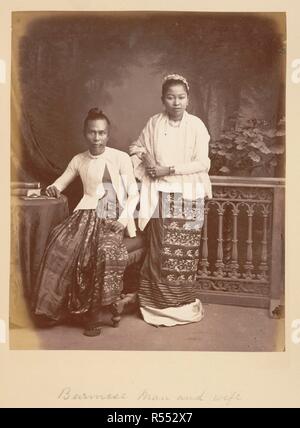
(219,272)
(234,266)
(227,240)
(249,257)
(263,267)
(204,264)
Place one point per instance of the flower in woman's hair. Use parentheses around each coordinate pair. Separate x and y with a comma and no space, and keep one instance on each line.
(176,77)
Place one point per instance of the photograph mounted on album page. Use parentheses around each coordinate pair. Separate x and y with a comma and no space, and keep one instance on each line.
(148,186)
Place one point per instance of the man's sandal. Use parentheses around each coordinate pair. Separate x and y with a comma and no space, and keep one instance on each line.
(93,329)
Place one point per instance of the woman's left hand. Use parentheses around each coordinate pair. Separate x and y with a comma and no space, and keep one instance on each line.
(117,227)
(157,171)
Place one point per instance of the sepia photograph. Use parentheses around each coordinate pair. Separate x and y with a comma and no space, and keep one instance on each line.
(147,181)
(149,206)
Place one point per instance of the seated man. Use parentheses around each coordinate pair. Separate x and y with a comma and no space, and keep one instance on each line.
(82,269)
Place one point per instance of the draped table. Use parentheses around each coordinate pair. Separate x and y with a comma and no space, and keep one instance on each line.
(32,219)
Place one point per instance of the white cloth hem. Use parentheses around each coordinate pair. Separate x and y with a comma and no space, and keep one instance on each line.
(192,312)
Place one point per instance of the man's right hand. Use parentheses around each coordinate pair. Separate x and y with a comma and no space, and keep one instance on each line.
(53,192)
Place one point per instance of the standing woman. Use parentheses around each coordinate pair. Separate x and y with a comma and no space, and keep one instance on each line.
(82,269)
(171,160)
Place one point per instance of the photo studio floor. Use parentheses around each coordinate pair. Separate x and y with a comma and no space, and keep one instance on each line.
(223,328)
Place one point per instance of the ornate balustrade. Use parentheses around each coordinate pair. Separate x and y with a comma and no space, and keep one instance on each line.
(242,255)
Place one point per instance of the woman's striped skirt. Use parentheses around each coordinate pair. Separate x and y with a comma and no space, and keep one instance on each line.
(167,292)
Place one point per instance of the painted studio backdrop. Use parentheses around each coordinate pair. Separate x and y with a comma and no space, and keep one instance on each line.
(63,64)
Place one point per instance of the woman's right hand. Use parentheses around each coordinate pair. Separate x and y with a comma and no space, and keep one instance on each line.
(53,192)
(148,161)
